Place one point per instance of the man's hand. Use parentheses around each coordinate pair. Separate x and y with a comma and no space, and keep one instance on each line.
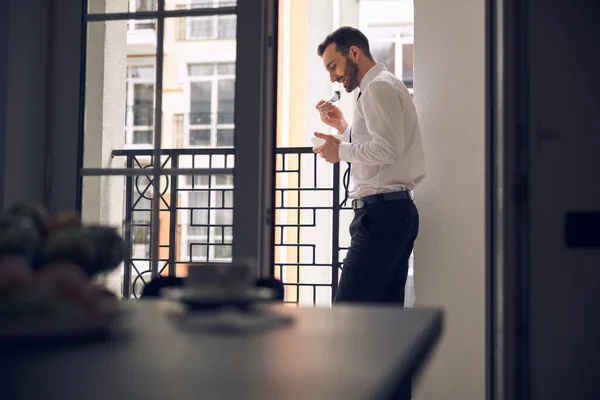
(331,115)
(330,151)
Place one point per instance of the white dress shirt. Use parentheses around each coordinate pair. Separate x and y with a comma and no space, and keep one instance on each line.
(385,149)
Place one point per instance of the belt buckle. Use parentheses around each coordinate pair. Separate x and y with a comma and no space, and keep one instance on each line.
(357,204)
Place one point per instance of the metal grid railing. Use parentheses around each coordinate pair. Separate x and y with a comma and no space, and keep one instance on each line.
(196,219)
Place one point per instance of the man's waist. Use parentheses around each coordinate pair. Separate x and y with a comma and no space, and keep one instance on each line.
(361,202)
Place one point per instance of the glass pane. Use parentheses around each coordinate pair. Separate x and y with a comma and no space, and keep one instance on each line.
(200,28)
(304,238)
(119,88)
(201,69)
(223,181)
(226,69)
(120,6)
(199,82)
(125,203)
(385,53)
(225,138)
(408,64)
(226,98)
(143,101)
(193,4)
(227,26)
(203,238)
(142,71)
(200,137)
(142,137)
(200,103)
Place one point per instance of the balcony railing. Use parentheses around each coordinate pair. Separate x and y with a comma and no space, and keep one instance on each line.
(196,219)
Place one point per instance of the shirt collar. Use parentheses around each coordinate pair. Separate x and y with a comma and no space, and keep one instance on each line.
(371,74)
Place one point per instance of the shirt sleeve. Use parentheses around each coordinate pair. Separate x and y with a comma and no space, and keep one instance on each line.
(346,133)
(382,110)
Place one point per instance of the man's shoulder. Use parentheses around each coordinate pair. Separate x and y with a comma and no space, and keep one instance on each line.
(385,80)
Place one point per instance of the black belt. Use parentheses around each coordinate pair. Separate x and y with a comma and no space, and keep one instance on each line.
(379,198)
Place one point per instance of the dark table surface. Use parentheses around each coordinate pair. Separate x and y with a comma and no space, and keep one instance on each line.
(345,352)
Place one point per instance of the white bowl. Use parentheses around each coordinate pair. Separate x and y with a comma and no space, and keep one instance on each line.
(318,142)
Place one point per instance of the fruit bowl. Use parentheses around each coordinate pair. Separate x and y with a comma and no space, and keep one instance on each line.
(47,271)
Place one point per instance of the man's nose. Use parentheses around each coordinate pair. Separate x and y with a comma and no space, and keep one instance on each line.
(333,77)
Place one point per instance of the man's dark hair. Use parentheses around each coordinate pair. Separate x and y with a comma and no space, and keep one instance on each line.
(344,38)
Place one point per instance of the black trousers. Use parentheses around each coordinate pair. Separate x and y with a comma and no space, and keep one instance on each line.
(376,265)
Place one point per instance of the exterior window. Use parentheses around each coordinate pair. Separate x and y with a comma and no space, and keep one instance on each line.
(143,24)
(139,117)
(212,95)
(213,27)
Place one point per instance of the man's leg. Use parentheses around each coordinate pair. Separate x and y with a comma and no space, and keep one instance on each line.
(395,291)
(379,236)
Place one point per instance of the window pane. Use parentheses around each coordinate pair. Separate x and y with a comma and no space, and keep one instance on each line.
(197,181)
(180,4)
(143,99)
(119,88)
(223,180)
(226,101)
(120,6)
(225,138)
(385,53)
(227,27)
(200,103)
(201,69)
(226,69)
(199,252)
(142,137)
(223,252)
(200,28)
(144,5)
(408,64)
(145,72)
(221,217)
(200,137)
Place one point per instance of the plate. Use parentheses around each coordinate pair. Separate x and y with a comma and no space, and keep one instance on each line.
(201,299)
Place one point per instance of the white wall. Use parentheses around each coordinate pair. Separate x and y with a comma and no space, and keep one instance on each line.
(449,254)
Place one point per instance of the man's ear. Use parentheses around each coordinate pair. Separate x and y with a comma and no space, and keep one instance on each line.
(354,53)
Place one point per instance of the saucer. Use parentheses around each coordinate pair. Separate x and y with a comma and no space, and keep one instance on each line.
(197,299)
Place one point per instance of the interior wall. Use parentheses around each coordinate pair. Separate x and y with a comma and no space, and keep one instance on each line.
(450,251)
(26,100)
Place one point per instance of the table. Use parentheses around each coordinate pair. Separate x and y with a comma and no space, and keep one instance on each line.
(345,352)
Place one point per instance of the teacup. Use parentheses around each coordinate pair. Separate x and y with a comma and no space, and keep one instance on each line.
(237,277)
(204,277)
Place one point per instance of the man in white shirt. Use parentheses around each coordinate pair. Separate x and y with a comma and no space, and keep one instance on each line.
(383,149)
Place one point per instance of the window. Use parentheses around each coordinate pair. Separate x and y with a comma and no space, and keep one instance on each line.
(212,95)
(213,27)
(207,222)
(139,117)
(143,24)
(392,45)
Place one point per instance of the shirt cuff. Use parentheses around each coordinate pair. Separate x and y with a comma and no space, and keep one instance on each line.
(346,133)
(345,151)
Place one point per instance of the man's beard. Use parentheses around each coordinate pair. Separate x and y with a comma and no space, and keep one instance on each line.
(351,75)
